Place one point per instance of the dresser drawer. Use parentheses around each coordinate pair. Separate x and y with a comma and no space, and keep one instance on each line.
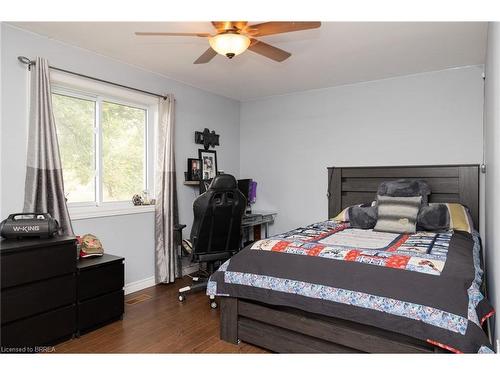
(29,299)
(95,281)
(99,310)
(24,266)
(39,330)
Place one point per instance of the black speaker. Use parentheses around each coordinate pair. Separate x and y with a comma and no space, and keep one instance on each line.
(30,224)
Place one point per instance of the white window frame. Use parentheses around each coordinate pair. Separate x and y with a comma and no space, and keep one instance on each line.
(72,86)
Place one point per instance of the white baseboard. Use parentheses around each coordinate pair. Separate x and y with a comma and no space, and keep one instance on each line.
(139,285)
(135,286)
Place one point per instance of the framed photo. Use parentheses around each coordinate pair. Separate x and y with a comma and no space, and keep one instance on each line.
(208,159)
(193,169)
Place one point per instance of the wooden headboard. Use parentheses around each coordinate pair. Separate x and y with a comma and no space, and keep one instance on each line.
(448,183)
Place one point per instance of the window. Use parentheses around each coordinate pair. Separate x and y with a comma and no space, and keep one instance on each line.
(75,121)
(123,151)
(103,143)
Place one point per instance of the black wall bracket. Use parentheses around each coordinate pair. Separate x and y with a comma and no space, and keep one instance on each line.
(206,138)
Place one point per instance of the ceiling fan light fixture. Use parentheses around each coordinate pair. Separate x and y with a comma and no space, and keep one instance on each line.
(229,44)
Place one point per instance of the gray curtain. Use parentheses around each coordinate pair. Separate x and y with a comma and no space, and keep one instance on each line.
(166,213)
(44,188)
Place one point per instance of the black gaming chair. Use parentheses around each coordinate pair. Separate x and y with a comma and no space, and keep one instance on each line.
(216,231)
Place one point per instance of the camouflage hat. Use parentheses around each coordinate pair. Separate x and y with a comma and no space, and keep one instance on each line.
(90,246)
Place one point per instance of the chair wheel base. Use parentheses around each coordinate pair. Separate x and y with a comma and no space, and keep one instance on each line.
(213,305)
(181,297)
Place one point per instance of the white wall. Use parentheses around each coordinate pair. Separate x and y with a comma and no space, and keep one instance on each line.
(131,236)
(492,151)
(288,141)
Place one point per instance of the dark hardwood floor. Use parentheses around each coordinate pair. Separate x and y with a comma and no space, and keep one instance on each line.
(156,322)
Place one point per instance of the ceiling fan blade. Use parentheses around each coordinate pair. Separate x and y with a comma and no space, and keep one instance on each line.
(271,28)
(269,51)
(225,25)
(208,55)
(219,25)
(140,33)
(239,24)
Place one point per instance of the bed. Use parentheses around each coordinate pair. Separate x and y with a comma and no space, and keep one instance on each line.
(296,292)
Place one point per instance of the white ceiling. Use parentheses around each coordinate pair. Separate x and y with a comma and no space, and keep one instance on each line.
(335,54)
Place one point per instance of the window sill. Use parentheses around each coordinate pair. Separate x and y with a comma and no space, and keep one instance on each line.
(81,213)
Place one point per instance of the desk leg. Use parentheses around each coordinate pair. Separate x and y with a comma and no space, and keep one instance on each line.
(257,232)
(245,238)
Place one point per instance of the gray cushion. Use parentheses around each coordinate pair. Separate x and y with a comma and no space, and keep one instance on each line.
(434,217)
(405,188)
(397,214)
(363,217)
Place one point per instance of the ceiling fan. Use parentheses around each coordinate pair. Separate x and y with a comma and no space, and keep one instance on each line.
(235,37)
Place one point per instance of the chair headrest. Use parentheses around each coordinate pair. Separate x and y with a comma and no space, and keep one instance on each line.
(223,182)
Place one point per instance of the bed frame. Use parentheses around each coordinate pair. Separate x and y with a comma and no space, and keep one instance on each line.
(288,330)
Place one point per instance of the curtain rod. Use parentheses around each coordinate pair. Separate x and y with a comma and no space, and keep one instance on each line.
(29,62)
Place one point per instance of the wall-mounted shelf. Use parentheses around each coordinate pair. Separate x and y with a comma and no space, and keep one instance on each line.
(192,183)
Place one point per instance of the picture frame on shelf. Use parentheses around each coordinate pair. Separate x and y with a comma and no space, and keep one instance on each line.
(193,169)
(208,160)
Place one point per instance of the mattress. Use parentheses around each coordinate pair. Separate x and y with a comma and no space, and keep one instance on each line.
(425,285)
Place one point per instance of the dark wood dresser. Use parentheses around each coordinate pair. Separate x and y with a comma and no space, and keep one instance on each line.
(38,291)
(100,293)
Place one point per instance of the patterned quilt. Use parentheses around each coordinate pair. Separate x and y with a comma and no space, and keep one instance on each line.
(425,285)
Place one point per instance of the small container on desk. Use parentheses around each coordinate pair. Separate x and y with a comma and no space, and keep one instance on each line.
(100,294)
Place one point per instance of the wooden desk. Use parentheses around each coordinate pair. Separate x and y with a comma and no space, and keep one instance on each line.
(256,220)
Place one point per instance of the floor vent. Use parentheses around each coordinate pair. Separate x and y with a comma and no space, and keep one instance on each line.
(140,298)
